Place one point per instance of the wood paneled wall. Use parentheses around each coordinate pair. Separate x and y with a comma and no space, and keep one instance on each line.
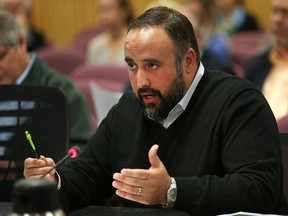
(61,20)
(261,9)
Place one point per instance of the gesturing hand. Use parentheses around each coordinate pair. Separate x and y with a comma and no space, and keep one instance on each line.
(146,186)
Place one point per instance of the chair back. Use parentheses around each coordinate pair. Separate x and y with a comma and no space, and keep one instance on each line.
(283,124)
(63,60)
(82,38)
(245,45)
(95,72)
(103,100)
(284,148)
(40,110)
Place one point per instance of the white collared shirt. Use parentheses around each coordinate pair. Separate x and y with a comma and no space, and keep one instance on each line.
(27,69)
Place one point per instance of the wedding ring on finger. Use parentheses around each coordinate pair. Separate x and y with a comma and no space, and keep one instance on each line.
(139,191)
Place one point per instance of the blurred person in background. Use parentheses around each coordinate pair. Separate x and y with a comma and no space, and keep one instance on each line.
(232,17)
(20,9)
(107,47)
(214,49)
(212,43)
(269,70)
(19,67)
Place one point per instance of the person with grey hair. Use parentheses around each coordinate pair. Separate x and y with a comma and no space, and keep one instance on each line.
(20,9)
(19,67)
(185,138)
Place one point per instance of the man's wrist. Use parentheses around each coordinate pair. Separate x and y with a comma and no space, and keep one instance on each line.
(171,194)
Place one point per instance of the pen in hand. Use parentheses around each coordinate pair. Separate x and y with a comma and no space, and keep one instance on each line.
(29,138)
(57,164)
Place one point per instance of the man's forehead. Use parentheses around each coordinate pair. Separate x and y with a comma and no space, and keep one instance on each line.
(153,39)
(146,31)
(150,35)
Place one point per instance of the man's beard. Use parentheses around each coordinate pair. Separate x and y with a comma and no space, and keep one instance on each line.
(167,102)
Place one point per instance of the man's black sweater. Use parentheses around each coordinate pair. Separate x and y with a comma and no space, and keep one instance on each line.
(223,151)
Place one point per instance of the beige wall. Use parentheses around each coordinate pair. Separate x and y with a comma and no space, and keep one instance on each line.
(60,20)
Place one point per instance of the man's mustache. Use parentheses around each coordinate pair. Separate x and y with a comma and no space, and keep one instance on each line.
(148,90)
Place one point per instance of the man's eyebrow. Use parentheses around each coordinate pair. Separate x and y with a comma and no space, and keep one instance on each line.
(152,60)
(127,59)
(149,60)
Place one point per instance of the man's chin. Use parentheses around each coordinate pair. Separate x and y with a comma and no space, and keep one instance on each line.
(150,109)
(151,113)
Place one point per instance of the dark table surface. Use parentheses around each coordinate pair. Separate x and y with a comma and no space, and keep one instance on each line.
(125,211)
(6,209)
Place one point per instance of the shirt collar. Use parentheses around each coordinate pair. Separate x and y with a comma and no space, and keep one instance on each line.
(185,100)
(27,69)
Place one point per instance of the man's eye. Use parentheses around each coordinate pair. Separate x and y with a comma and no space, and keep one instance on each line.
(152,66)
(131,66)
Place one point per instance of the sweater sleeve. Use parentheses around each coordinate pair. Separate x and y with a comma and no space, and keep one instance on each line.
(87,180)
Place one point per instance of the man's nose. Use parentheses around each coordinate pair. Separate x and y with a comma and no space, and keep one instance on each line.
(142,79)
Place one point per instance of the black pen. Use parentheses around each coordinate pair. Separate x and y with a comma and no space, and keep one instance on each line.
(57,164)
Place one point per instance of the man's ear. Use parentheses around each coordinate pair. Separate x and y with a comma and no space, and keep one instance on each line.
(190,61)
(22,43)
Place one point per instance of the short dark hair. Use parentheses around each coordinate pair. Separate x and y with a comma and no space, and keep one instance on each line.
(175,24)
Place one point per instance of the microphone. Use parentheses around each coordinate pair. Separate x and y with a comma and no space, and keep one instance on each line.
(57,164)
(74,151)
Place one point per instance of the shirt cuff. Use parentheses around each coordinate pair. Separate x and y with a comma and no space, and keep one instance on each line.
(59,181)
